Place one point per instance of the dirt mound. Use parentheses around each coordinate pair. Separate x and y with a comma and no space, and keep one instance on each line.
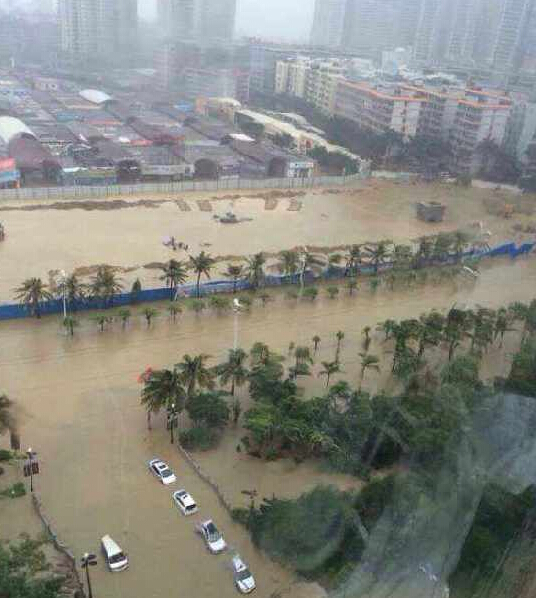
(87,205)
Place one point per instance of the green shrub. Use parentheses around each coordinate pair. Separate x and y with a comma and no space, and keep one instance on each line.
(332,292)
(15,491)
(5,455)
(198,438)
(310,293)
(272,454)
(240,515)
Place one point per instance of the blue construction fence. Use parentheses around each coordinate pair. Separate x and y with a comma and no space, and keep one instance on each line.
(13,311)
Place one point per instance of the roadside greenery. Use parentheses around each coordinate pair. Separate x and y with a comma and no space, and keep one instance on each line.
(25,573)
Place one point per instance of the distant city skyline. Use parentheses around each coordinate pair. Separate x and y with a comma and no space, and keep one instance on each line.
(276,19)
(291,20)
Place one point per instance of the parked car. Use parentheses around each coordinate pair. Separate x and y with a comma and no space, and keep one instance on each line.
(116,559)
(212,536)
(162,471)
(244,580)
(185,502)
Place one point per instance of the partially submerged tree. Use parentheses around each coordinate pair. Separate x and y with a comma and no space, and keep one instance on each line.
(33,293)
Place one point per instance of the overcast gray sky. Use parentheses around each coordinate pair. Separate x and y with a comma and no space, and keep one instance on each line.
(288,19)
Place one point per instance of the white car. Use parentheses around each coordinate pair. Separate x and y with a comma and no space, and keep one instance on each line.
(185,502)
(212,536)
(162,471)
(244,581)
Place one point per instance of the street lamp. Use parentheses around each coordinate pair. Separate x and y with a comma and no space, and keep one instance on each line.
(31,467)
(87,561)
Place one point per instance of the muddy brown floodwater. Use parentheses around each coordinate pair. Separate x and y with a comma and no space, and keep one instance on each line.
(50,239)
(80,411)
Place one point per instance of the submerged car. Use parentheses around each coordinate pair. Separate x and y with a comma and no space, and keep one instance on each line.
(115,557)
(212,536)
(244,580)
(184,502)
(162,471)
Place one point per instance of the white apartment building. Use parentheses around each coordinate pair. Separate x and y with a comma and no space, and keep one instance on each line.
(379,109)
(481,116)
(313,80)
(291,76)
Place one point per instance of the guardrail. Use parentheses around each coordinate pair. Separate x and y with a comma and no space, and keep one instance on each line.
(100,192)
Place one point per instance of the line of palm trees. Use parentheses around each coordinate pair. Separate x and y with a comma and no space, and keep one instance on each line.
(105,284)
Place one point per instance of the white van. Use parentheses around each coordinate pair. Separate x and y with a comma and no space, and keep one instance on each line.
(115,558)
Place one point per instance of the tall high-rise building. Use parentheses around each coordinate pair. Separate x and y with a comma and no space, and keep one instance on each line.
(177,19)
(205,21)
(215,20)
(328,23)
(371,26)
(95,29)
(513,34)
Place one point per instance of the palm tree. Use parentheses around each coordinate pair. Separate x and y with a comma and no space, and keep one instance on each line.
(7,422)
(124,313)
(135,290)
(290,262)
(353,261)
(32,293)
(351,286)
(316,341)
(429,331)
(149,314)
(379,255)
(105,284)
(70,323)
(162,388)
(367,340)
(101,320)
(368,362)
(255,269)
(193,373)
(233,370)
(174,274)
(265,298)
(502,324)
(235,273)
(201,264)
(174,310)
(339,336)
(75,291)
(330,368)
(303,356)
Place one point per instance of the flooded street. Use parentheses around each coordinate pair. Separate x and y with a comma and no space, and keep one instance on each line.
(80,411)
(130,238)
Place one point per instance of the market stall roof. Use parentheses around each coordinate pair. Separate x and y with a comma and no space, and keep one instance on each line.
(10,127)
(95,96)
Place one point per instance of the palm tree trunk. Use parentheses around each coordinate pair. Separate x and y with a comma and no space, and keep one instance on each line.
(233,387)
(198,283)
(149,420)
